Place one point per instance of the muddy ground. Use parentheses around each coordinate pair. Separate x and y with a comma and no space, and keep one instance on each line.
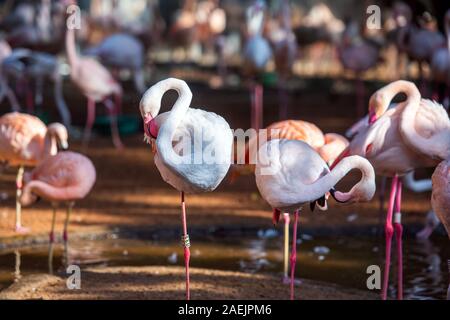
(168,283)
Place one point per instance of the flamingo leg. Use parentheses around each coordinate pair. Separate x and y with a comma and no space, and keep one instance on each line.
(187,244)
(19,186)
(389,230)
(89,121)
(113,111)
(448,290)
(381,196)
(65,233)
(17,263)
(286,248)
(294,254)
(51,237)
(398,238)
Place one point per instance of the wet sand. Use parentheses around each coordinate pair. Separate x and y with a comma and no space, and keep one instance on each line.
(156,282)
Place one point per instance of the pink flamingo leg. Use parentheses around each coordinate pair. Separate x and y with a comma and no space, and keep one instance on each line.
(398,238)
(89,121)
(112,111)
(286,248)
(389,232)
(186,243)
(294,254)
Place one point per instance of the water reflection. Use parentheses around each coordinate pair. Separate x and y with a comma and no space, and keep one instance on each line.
(341,260)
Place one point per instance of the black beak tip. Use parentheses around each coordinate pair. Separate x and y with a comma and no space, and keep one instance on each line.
(312,206)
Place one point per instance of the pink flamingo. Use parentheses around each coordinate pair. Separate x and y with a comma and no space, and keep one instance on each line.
(329,146)
(287,185)
(65,177)
(25,141)
(359,55)
(257,53)
(440,199)
(408,180)
(285,52)
(172,159)
(415,134)
(97,84)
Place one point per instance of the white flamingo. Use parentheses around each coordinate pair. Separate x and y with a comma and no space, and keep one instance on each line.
(290,173)
(257,53)
(193,147)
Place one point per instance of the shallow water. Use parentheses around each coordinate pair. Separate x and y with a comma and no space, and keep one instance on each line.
(342,260)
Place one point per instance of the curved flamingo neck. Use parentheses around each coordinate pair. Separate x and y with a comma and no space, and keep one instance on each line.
(438,145)
(50,146)
(363,190)
(151,105)
(71,47)
(42,189)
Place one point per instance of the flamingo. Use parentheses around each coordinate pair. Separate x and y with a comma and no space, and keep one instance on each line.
(440,199)
(257,53)
(440,63)
(25,141)
(186,128)
(65,177)
(408,181)
(25,65)
(285,51)
(122,51)
(291,173)
(97,84)
(359,55)
(328,146)
(415,134)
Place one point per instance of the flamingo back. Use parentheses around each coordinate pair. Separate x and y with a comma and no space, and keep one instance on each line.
(21,138)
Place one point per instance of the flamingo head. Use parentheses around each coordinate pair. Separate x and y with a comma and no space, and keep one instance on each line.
(60,134)
(321,203)
(377,104)
(150,128)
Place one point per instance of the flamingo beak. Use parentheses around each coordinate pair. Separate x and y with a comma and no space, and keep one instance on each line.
(64,145)
(332,192)
(150,128)
(372,117)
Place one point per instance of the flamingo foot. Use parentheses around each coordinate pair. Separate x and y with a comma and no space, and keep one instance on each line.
(287,281)
(22,230)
